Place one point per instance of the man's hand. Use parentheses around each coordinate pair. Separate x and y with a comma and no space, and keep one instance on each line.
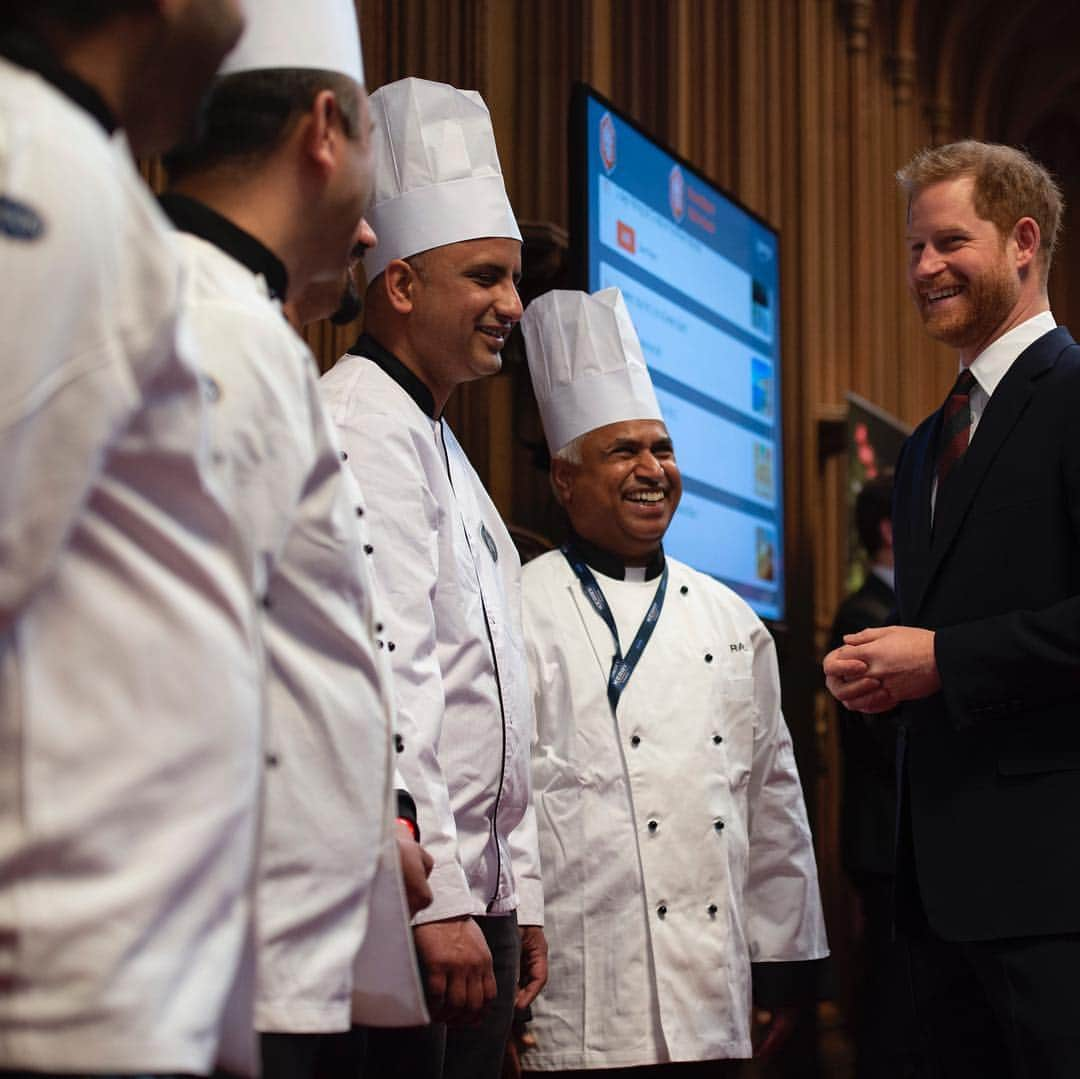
(878,668)
(460,977)
(534,965)
(416,866)
(772,1030)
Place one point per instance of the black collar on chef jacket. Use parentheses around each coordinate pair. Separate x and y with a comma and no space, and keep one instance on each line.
(26,49)
(611,565)
(408,380)
(190,215)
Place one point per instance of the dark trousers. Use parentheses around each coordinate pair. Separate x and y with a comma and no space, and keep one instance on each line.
(887,1041)
(313,1056)
(456,1052)
(693,1069)
(999,1009)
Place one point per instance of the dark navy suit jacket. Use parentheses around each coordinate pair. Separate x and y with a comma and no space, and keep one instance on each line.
(993,761)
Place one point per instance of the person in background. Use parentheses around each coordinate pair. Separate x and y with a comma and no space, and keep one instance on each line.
(440,303)
(985,661)
(679,874)
(130,689)
(885,1038)
(268,204)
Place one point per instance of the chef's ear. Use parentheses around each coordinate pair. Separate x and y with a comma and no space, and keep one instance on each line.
(321,130)
(399,285)
(562,480)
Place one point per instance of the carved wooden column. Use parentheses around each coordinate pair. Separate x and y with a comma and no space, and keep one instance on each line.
(857,19)
(939,116)
(903,72)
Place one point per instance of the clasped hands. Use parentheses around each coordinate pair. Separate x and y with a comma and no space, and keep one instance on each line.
(876,669)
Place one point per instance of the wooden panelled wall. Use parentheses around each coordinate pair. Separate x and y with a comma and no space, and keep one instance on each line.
(804,109)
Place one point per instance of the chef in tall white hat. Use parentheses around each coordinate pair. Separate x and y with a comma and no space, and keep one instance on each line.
(268,202)
(679,874)
(440,303)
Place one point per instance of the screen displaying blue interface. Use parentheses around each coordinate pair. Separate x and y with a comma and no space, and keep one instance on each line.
(701,279)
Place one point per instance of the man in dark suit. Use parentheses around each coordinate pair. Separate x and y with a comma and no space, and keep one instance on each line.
(985,663)
(884,1024)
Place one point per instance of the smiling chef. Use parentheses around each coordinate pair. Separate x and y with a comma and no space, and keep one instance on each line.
(440,302)
(679,876)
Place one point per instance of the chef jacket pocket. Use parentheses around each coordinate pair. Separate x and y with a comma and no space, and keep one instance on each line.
(730,728)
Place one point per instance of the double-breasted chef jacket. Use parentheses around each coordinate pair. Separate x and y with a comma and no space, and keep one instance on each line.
(329,802)
(674,837)
(449,577)
(130,669)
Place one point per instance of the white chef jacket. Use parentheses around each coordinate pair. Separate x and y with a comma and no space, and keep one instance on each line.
(674,840)
(130,671)
(329,800)
(450,578)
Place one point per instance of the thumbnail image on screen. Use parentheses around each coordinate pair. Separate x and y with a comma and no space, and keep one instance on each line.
(701,279)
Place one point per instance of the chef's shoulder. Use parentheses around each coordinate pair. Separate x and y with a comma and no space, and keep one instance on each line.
(93,281)
(712,599)
(358,394)
(60,172)
(540,575)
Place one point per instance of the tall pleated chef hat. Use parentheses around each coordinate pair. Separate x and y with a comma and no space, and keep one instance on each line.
(437,174)
(320,34)
(586,364)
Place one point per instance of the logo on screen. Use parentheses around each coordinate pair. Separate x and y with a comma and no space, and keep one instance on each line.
(676,191)
(607,141)
(624,235)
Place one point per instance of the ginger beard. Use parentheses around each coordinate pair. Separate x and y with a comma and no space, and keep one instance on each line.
(963,310)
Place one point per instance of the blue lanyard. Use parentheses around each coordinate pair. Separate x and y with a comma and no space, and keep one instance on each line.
(621,667)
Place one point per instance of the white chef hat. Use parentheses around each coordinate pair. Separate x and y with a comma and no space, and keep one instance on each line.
(437,174)
(320,34)
(586,364)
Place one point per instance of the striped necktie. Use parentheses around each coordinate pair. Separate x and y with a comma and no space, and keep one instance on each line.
(956,426)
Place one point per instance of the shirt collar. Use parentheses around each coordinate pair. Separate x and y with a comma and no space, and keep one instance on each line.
(992,364)
(408,380)
(885,574)
(190,215)
(27,50)
(611,565)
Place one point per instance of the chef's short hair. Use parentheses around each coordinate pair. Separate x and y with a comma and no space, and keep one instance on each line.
(78,14)
(571,452)
(246,116)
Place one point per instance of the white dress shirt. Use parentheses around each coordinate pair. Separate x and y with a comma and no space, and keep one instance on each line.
(991,366)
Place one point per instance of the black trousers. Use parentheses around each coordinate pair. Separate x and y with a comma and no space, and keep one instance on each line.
(313,1056)
(456,1052)
(998,1009)
(693,1069)
(887,1042)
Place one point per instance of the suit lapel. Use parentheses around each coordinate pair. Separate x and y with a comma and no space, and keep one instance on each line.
(1005,408)
(923,447)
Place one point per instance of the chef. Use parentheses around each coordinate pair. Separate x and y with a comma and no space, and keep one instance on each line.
(268,204)
(130,672)
(678,864)
(440,302)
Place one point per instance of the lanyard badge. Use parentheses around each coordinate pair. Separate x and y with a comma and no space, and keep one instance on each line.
(622,667)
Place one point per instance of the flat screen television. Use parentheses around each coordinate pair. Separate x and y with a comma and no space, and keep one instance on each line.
(701,277)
